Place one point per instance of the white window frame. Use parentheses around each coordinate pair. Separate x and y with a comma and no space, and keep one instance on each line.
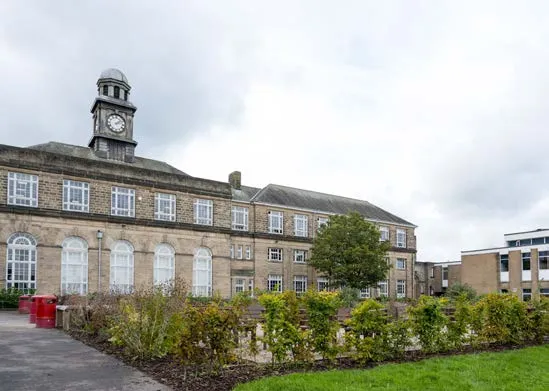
(400,289)
(239,284)
(401,263)
(239,216)
(301,226)
(74,266)
(322,221)
(275,254)
(76,196)
(122,201)
(365,293)
(384,234)
(322,283)
(248,252)
(22,189)
(122,267)
(164,264)
(202,265)
(164,206)
(239,251)
(401,238)
(276,222)
(526,294)
(384,288)
(231,251)
(21,262)
(274,280)
(203,211)
(300,256)
(301,282)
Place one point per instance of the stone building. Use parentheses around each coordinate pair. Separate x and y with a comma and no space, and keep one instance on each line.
(81,219)
(520,266)
(433,279)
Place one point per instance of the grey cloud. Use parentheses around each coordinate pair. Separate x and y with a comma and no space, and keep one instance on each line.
(175,57)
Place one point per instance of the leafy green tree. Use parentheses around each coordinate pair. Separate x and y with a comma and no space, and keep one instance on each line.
(348,250)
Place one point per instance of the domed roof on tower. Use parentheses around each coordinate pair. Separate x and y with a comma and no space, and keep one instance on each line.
(115,74)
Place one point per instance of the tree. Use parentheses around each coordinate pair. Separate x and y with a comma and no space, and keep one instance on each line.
(458,289)
(349,251)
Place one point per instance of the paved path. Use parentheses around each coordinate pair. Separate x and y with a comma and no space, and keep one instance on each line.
(48,359)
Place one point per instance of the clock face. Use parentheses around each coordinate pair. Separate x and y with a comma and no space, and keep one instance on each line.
(116,123)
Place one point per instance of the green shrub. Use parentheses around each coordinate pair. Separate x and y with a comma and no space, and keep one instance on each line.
(281,327)
(539,319)
(322,310)
(368,331)
(459,328)
(501,319)
(429,323)
(143,325)
(9,297)
(458,290)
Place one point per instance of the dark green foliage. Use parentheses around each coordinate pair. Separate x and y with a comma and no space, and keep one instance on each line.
(349,252)
(429,323)
(461,290)
(9,297)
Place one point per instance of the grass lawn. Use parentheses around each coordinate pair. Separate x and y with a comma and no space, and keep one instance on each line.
(525,369)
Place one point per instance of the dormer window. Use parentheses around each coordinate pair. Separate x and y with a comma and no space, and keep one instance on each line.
(106,90)
(117,92)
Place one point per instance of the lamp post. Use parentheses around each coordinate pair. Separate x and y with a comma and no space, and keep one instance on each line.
(99,237)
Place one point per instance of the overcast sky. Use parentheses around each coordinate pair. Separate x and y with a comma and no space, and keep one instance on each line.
(436,111)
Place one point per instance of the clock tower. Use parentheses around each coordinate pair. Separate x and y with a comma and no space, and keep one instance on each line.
(113,118)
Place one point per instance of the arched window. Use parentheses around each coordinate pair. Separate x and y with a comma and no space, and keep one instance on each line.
(74,266)
(122,267)
(21,262)
(202,272)
(164,260)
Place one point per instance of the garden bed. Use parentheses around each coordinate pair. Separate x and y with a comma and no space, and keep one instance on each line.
(168,371)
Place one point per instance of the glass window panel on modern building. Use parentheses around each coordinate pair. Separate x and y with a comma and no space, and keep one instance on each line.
(202,273)
(164,264)
(21,262)
(526,294)
(239,218)
(122,201)
(122,267)
(164,207)
(401,238)
(276,222)
(300,284)
(22,189)
(74,266)
(504,262)
(301,225)
(274,283)
(543,260)
(76,196)
(203,212)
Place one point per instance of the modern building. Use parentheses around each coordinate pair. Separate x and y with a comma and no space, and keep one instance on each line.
(433,279)
(78,219)
(520,266)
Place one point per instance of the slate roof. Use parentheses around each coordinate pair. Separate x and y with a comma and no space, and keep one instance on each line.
(312,200)
(87,153)
(245,193)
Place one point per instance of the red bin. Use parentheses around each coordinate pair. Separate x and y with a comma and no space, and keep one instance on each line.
(24,304)
(32,309)
(46,305)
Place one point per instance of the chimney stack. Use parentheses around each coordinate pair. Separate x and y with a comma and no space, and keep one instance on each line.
(235,179)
